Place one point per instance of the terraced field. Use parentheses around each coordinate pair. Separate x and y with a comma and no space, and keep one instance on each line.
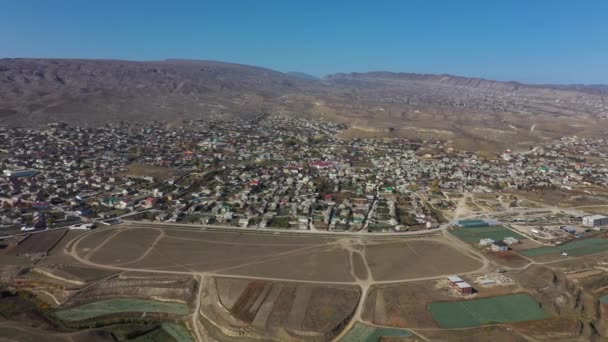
(40,242)
(178,332)
(119,305)
(367,333)
(298,306)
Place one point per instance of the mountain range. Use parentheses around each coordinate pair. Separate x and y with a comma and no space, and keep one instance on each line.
(93,92)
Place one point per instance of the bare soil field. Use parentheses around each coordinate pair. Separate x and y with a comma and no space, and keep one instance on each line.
(131,243)
(554,329)
(563,198)
(94,240)
(243,238)
(316,265)
(508,259)
(273,308)
(229,253)
(491,333)
(278,257)
(39,242)
(11,259)
(229,290)
(199,256)
(79,273)
(71,235)
(403,306)
(358,266)
(342,302)
(57,254)
(582,263)
(416,259)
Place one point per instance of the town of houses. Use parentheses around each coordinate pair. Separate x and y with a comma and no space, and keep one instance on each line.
(275,172)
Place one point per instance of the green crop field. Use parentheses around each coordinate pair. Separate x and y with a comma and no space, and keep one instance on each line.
(366,333)
(178,332)
(574,248)
(473,223)
(119,305)
(474,234)
(157,335)
(473,313)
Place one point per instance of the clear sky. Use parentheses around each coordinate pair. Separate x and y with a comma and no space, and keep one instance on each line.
(539,41)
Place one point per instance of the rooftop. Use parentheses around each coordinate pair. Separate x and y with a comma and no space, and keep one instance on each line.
(463,285)
(595,217)
(455,279)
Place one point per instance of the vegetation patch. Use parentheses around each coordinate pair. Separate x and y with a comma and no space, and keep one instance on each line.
(158,334)
(574,248)
(119,305)
(472,223)
(177,331)
(473,313)
(361,332)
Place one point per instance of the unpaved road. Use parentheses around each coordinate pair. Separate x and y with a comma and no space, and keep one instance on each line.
(351,245)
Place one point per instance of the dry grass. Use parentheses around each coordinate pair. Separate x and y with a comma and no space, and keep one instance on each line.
(417,258)
(125,247)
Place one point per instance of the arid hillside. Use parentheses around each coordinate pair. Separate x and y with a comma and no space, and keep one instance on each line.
(473,93)
(36,91)
(474,113)
(471,112)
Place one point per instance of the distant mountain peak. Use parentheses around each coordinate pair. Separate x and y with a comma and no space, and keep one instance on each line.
(91,92)
(303,75)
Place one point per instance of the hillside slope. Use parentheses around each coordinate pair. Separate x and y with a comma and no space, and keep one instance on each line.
(474,93)
(472,112)
(98,91)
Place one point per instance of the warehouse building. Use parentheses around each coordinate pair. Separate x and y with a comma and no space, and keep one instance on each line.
(595,220)
(460,285)
(453,280)
(500,246)
(464,288)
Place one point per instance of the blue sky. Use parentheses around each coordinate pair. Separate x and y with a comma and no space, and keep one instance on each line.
(536,41)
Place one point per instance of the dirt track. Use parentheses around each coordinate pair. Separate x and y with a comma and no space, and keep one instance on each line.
(232,254)
(313,260)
